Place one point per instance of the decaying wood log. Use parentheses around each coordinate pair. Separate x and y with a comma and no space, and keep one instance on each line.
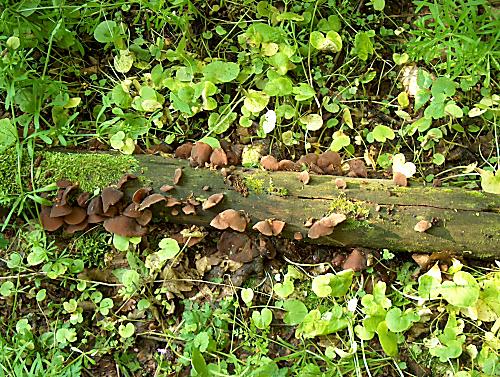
(379,214)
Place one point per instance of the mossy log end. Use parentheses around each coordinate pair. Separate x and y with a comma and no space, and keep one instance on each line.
(380,214)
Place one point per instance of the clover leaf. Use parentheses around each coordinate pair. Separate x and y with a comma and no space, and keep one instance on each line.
(312,122)
(284,289)
(247,296)
(463,291)
(262,319)
(255,101)
(296,311)
(126,331)
(397,321)
(339,141)
(220,71)
(381,133)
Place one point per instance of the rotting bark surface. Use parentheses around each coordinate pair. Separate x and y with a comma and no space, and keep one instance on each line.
(380,214)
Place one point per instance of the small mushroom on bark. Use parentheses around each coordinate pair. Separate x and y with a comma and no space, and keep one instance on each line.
(218,158)
(171,201)
(166,188)
(124,179)
(124,226)
(357,168)
(325,226)
(72,228)
(200,154)
(304,177)
(110,196)
(189,209)
(150,200)
(422,226)
(329,162)
(76,216)
(132,211)
(287,165)
(308,159)
(356,261)
(230,218)
(177,176)
(269,163)
(184,151)
(95,206)
(49,223)
(212,201)
(65,193)
(140,194)
(59,210)
(298,236)
(340,183)
(83,198)
(145,217)
(400,179)
(269,227)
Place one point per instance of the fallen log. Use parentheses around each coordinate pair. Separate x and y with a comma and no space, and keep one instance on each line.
(379,214)
(369,213)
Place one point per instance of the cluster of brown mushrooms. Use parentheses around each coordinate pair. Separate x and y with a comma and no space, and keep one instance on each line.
(201,154)
(128,219)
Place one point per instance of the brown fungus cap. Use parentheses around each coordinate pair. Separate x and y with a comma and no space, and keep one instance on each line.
(422,226)
(177,176)
(200,154)
(329,162)
(325,226)
(357,168)
(95,206)
(269,163)
(287,165)
(230,218)
(124,179)
(124,226)
(95,219)
(171,201)
(218,158)
(212,201)
(82,199)
(308,159)
(400,179)
(356,261)
(145,217)
(269,227)
(150,200)
(110,196)
(140,194)
(76,227)
(76,216)
(59,210)
(304,177)
(65,193)
(132,211)
(340,183)
(166,188)
(50,224)
(184,151)
(189,209)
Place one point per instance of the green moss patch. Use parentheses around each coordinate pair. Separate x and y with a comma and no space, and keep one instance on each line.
(341,204)
(89,170)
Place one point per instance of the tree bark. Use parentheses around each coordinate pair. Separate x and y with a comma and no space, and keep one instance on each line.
(379,214)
